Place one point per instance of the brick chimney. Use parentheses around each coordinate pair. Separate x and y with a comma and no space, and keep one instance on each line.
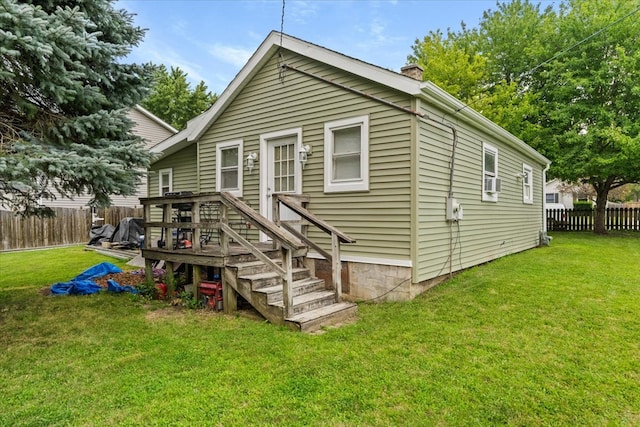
(412,70)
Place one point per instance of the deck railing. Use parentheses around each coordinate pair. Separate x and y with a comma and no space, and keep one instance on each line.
(296,203)
(292,244)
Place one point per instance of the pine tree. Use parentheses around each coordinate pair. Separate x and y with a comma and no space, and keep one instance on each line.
(64,94)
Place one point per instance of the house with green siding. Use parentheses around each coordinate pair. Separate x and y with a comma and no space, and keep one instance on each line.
(425,185)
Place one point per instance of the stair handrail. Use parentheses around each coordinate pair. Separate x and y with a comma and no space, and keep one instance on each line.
(337,237)
(289,247)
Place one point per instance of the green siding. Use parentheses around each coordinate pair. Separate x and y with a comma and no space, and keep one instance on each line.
(378,219)
(183,164)
(488,230)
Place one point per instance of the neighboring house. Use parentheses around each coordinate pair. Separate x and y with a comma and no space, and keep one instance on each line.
(557,191)
(425,184)
(152,130)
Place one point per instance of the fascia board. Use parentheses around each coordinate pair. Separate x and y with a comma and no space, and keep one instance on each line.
(433,94)
(360,68)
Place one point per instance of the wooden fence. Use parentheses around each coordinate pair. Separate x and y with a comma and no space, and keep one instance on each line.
(582,220)
(69,226)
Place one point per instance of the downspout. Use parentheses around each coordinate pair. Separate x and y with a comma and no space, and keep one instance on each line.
(544,198)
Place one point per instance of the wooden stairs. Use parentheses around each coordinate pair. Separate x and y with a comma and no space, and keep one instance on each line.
(314,306)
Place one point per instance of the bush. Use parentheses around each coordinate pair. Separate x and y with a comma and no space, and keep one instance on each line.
(583,206)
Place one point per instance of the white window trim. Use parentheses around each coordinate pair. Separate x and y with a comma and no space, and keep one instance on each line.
(161,173)
(486,196)
(221,146)
(361,184)
(528,171)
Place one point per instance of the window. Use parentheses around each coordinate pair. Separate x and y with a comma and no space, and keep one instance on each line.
(490,182)
(229,167)
(527,184)
(552,198)
(346,155)
(165,182)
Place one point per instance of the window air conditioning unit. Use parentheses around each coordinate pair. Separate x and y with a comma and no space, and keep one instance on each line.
(493,185)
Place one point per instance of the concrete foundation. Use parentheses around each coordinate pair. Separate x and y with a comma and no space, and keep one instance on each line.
(373,282)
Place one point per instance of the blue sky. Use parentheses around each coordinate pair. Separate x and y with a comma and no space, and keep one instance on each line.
(211,40)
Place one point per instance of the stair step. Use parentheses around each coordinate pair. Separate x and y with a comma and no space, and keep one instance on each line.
(252,267)
(313,320)
(309,301)
(274,293)
(271,278)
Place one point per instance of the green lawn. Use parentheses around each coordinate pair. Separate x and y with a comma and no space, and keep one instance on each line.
(546,337)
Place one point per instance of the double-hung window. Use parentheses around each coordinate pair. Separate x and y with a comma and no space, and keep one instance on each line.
(490,182)
(527,184)
(346,155)
(165,181)
(229,167)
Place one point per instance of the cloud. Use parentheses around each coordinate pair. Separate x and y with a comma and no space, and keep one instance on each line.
(151,52)
(235,56)
(300,11)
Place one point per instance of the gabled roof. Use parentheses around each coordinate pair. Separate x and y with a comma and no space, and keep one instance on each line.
(423,90)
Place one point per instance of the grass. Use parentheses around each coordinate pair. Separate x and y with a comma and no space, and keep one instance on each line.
(550,336)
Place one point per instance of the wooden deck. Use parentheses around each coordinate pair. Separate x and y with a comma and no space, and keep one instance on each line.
(209,255)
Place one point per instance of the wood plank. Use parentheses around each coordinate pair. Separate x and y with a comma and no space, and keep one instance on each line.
(265,225)
(254,251)
(323,225)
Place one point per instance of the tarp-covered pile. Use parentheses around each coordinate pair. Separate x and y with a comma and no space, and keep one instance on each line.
(127,233)
(83,284)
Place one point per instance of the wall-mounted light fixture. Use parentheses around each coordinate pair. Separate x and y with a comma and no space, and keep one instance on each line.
(251,159)
(303,154)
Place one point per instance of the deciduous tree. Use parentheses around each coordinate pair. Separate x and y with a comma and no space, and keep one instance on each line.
(172,99)
(591,96)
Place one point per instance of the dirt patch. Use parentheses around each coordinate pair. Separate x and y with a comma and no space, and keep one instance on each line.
(123,279)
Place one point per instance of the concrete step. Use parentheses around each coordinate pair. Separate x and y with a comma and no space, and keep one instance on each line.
(313,320)
(300,287)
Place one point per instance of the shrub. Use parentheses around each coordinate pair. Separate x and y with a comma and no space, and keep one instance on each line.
(583,205)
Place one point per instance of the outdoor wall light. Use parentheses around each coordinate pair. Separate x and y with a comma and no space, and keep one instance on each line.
(251,158)
(303,154)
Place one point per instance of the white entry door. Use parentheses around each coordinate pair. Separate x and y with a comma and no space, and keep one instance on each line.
(281,173)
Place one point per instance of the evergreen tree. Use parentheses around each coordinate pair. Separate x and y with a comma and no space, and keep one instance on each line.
(64,95)
(172,99)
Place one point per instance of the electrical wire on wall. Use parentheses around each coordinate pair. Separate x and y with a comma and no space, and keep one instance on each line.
(452,165)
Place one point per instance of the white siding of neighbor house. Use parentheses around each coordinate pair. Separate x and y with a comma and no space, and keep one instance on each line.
(151,132)
(488,230)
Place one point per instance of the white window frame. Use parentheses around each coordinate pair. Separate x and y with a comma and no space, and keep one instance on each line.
(161,173)
(360,184)
(489,196)
(219,148)
(527,184)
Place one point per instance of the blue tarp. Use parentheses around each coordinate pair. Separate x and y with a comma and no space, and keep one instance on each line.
(113,286)
(82,283)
